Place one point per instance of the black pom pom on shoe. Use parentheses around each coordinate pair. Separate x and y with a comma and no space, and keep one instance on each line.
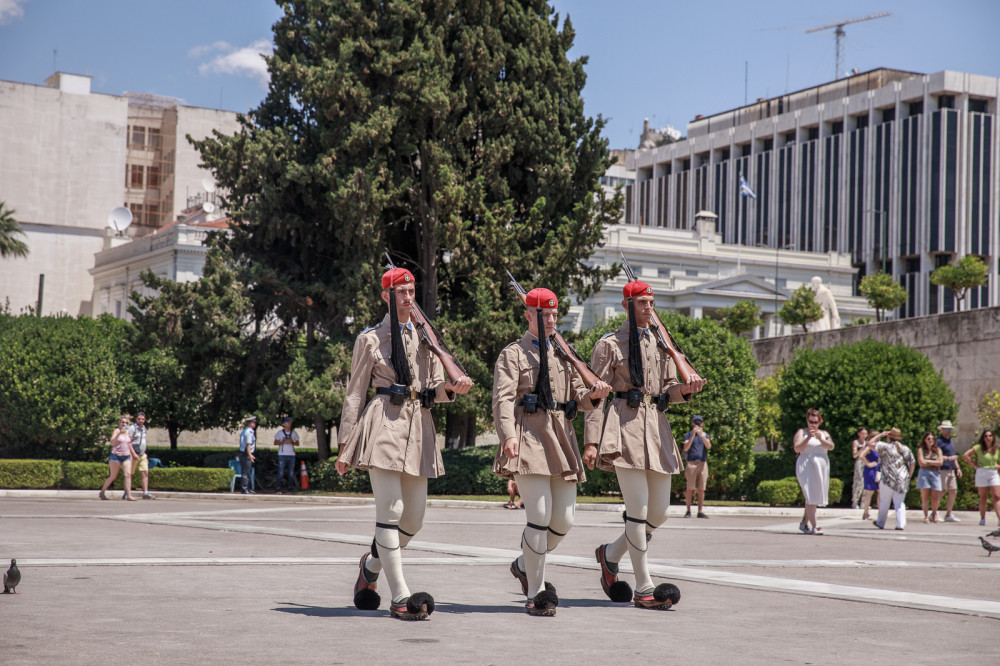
(543,604)
(367,599)
(417,603)
(667,592)
(620,592)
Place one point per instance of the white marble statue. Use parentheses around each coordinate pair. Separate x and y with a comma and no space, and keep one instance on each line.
(831,317)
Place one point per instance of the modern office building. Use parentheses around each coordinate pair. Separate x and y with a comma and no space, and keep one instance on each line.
(68,156)
(896,169)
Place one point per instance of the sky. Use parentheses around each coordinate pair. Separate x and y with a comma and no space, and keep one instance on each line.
(665,60)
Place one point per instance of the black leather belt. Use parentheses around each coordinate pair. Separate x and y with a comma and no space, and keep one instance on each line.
(411,394)
(647,398)
(559,406)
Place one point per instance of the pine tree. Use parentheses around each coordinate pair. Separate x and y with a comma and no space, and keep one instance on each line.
(450,132)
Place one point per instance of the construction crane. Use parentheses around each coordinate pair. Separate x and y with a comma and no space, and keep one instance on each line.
(839,35)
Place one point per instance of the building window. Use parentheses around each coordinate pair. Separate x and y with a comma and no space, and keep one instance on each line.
(136,179)
(138,135)
(138,214)
(888,115)
(946,101)
(941,259)
(663,272)
(789,137)
(861,121)
(781,283)
(154,139)
(916,108)
(686,165)
(118,309)
(745,150)
(813,133)
(837,127)
(723,154)
(153,177)
(977,105)
(913,264)
(691,273)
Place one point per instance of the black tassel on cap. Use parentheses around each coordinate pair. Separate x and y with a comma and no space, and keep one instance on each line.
(400,365)
(543,387)
(635,371)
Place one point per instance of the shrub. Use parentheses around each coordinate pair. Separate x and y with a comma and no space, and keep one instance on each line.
(868,383)
(30,473)
(323,476)
(91,476)
(600,484)
(787,492)
(60,385)
(967,498)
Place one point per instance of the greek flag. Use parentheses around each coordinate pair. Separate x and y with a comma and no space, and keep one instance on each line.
(745,189)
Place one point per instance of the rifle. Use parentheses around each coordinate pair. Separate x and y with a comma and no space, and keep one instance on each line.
(433,339)
(562,348)
(666,342)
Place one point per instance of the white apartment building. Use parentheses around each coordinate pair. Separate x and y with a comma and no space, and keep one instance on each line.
(68,156)
(894,169)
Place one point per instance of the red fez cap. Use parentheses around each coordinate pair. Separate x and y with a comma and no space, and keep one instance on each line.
(395,276)
(636,288)
(541,298)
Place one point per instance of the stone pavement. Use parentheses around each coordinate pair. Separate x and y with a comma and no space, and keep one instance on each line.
(194,579)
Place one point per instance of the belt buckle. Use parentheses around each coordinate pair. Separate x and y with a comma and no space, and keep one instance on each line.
(647,398)
(414,394)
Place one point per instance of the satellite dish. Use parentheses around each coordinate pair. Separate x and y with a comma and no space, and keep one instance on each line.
(208,185)
(208,207)
(119,219)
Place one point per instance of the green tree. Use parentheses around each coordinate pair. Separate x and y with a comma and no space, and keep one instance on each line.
(883,293)
(728,403)
(801,308)
(61,385)
(190,334)
(968,273)
(9,227)
(988,411)
(741,318)
(452,133)
(768,411)
(868,383)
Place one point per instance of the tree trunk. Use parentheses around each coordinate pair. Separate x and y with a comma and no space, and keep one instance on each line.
(322,441)
(173,432)
(457,429)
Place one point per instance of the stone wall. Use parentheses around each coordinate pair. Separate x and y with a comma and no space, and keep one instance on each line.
(964,346)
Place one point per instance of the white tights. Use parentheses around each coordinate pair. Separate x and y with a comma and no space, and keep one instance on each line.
(400,503)
(550,507)
(647,498)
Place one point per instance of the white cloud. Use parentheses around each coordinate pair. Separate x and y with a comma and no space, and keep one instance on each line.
(243,61)
(10,10)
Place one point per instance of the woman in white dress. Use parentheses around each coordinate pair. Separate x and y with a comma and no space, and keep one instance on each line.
(812,468)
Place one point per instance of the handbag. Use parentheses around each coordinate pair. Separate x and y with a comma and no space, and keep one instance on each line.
(878,476)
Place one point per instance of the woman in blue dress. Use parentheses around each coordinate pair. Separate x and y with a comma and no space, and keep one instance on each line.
(871,481)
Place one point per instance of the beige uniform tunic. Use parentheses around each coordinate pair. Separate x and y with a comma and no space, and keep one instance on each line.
(638,438)
(399,438)
(546,439)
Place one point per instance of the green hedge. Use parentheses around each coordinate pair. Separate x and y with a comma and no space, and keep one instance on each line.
(91,476)
(30,473)
(967,498)
(786,492)
(216,456)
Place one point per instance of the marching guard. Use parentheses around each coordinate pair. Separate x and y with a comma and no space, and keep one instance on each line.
(536,394)
(392,437)
(634,440)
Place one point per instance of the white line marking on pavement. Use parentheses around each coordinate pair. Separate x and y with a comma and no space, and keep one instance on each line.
(244,561)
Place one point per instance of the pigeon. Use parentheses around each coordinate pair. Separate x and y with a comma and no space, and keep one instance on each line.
(994,533)
(12,577)
(990,548)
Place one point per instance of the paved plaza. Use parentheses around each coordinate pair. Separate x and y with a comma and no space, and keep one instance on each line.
(188,579)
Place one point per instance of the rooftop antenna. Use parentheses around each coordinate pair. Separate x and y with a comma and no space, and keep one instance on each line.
(839,36)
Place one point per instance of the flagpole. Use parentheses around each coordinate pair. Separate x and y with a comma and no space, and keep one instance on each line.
(739,227)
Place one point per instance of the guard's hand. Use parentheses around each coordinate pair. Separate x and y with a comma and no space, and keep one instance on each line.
(694,385)
(590,455)
(510,448)
(461,385)
(958,471)
(600,390)
(252,459)
(342,467)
